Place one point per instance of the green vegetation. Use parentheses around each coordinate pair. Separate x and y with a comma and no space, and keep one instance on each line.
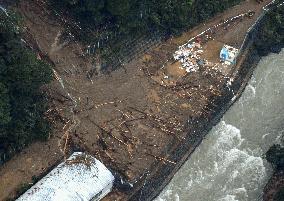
(275,155)
(22,104)
(114,26)
(272,31)
(131,17)
(279,195)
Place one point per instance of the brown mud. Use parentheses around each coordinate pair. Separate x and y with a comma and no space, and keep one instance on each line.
(138,126)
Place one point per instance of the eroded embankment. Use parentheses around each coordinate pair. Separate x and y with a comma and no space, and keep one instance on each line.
(156,180)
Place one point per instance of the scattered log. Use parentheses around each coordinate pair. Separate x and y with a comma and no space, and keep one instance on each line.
(161,159)
(65,144)
(104,131)
(104,104)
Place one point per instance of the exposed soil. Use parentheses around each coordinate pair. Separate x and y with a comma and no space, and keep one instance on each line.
(130,119)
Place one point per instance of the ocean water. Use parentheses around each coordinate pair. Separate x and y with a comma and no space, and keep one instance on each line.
(229,164)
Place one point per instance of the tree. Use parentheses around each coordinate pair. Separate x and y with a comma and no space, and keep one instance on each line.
(5,106)
(275,155)
(279,195)
(271,34)
(133,16)
(118,7)
(22,103)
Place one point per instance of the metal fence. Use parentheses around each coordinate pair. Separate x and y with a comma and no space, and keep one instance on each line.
(130,50)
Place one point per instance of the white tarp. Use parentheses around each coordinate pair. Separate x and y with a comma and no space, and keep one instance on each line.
(229,54)
(81,177)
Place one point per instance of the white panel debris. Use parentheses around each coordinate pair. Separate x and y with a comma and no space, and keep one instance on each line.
(229,54)
(189,56)
(81,177)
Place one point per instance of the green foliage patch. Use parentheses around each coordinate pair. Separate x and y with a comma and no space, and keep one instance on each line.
(272,32)
(132,17)
(113,26)
(275,155)
(22,104)
(279,195)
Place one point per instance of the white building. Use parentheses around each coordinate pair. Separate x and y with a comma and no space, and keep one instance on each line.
(229,54)
(80,178)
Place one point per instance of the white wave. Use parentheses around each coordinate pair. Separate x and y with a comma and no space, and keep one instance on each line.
(168,195)
(227,168)
(228,198)
(252,88)
(265,135)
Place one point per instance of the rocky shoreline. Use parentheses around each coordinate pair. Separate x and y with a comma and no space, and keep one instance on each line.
(274,189)
(274,185)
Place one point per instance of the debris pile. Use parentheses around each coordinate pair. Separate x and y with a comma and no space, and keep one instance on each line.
(229,54)
(189,56)
(189,53)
